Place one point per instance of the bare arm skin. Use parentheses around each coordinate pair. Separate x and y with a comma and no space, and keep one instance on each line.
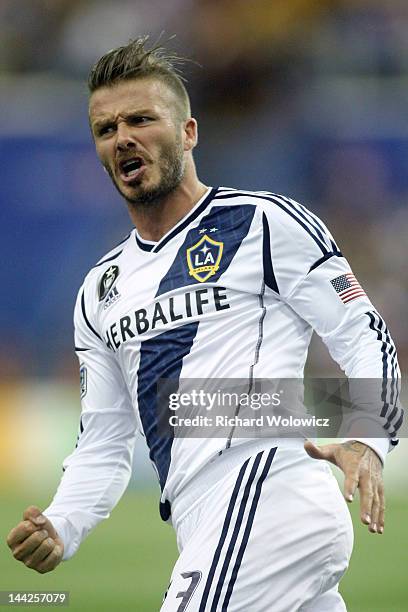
(362,469)
(35,542)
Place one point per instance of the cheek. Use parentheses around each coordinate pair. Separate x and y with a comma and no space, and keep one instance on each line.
(104,154)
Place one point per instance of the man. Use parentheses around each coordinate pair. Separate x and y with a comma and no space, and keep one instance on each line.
(212,283)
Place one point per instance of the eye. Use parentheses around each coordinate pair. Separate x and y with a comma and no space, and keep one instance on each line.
(138,119)
(105,129)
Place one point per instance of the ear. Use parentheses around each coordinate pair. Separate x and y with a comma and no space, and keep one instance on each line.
(190,134)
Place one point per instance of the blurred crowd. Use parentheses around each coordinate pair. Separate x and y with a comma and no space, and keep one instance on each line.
(302,97)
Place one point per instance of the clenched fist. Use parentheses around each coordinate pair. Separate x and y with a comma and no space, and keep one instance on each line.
(35,542)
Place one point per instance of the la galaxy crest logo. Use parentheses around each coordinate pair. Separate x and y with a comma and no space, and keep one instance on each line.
(107,281)
(204,258)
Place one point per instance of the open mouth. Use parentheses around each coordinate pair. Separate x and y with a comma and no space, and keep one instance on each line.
(131,168)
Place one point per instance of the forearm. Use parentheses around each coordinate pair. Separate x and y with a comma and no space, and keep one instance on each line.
(374,382)
(358,339)
(93,482)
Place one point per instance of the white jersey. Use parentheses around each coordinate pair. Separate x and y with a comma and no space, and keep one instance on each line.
(234,290)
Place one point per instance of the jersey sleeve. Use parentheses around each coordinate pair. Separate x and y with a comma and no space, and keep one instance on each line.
(316,281)
(97,473)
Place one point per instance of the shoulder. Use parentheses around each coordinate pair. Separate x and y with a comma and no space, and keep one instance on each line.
(108,264)
(273,204)
(283,214)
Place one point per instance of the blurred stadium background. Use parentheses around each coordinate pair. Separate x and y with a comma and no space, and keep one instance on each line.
(302,97)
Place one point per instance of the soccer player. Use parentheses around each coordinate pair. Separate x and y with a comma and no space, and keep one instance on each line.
(212,283)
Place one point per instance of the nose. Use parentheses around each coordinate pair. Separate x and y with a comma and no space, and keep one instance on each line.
(124,138)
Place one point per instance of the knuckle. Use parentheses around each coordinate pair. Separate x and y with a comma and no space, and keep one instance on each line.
(42,535)
(26,527)
(30,511)
(49,545)
(18,554)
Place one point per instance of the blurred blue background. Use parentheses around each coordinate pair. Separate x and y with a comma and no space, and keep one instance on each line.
(306,98)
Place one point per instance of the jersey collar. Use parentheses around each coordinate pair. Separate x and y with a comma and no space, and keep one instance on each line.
(155,247)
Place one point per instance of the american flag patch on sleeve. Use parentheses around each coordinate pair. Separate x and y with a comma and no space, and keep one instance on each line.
(347,287)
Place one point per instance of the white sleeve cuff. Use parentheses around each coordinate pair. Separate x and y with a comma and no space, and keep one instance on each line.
(66,532)
(379,445)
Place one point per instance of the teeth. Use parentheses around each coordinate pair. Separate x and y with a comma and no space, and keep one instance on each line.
(131,167)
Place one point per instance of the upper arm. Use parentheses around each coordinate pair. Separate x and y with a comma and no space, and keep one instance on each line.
(107,410)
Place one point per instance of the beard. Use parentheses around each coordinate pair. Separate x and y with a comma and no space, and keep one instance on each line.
(171,167)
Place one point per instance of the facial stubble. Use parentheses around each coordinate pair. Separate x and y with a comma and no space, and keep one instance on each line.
(171,167)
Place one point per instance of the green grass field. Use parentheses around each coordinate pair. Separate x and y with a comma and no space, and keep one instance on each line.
(126,563)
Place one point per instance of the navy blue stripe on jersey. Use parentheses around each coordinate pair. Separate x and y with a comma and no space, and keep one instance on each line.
(231,223)
(81,431)
(321,261)
(248,528)
(293,212)
(391,416)
(314,219)
(161,357)
(235,533)
(390,376)
(376,327)
(269,274)
(397,425)
(189,218)
(86,318)
(104,261)
(79,349)
(302,221)
(308,218)
(224,532)
(100,263)
(145,246)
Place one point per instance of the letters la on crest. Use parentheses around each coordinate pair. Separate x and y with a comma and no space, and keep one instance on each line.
(204,257)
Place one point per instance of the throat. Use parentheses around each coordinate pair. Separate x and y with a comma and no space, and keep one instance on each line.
(155,220)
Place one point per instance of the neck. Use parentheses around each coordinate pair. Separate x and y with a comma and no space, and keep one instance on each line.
(153,222)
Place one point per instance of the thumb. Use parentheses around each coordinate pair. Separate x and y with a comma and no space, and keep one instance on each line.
(320,452)
(33,514)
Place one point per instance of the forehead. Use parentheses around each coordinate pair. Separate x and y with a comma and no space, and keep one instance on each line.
(143,94)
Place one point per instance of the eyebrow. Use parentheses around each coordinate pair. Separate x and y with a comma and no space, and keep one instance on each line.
(109,119)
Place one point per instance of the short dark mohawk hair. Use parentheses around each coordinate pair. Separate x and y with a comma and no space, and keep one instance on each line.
(135,61)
